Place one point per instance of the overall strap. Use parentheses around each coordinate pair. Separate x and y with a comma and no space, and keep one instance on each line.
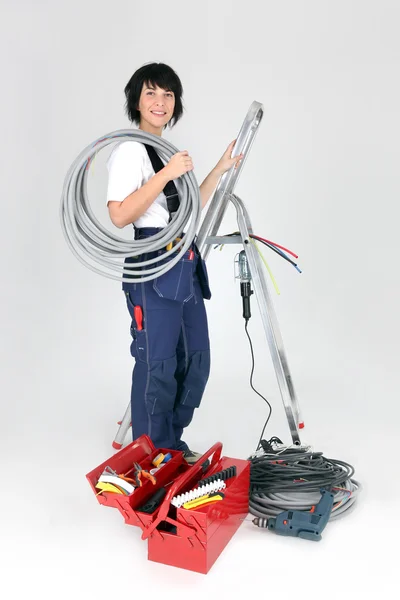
(170,190)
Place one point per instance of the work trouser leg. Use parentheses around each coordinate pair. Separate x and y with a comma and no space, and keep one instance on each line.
(154,386)
(193,363)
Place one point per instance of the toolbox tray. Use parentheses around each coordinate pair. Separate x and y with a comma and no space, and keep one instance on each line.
(190,539)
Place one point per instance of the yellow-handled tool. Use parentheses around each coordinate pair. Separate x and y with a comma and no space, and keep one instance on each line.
(207,499)
(171,244)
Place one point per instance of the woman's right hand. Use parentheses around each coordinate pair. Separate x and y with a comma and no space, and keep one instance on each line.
(179,164)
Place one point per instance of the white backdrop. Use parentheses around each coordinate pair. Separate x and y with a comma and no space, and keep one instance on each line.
(321,178)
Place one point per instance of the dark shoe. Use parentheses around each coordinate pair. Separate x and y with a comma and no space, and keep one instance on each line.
(192,457)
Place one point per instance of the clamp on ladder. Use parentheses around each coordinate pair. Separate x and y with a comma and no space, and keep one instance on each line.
(207,236)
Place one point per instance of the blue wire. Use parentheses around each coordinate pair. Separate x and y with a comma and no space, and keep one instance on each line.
(279,251)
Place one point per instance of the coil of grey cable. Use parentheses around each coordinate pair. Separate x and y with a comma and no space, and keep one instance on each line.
(284,479)
(102,251)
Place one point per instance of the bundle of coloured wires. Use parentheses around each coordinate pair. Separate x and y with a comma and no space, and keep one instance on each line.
(281,250)
(292,478)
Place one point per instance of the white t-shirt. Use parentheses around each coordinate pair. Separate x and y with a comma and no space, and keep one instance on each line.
(129,167)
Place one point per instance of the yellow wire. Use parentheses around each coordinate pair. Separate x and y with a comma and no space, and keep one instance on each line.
(267,267)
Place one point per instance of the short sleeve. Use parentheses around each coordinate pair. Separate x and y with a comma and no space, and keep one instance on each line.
(125,170)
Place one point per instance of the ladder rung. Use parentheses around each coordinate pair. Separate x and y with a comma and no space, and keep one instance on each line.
(224,239)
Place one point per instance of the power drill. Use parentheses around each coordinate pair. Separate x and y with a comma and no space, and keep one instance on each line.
(298,523)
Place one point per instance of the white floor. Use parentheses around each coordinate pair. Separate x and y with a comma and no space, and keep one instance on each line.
(57,541)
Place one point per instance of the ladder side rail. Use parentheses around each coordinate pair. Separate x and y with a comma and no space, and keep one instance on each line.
(123,428)
(274,320)
(220,201)
(270,324)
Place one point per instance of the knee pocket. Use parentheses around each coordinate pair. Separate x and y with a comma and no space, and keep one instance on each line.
(196,379)
(161,386)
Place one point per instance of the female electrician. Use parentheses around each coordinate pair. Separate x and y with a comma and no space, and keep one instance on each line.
(171,347)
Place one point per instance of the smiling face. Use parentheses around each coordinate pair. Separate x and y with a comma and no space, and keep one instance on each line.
(156,107)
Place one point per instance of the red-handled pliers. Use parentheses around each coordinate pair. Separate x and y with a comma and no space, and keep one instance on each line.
(140,473)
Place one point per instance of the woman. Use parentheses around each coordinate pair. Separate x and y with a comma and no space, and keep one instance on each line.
(171,345)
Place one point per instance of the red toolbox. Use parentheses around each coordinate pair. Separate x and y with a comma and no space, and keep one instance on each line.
(191,539)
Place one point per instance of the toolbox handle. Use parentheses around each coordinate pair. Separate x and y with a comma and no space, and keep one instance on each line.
(179,483)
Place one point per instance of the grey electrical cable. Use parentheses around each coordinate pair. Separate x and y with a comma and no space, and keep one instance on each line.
(92,243)
(289,478)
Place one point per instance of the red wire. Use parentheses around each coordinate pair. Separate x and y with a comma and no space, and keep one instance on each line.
(273,243)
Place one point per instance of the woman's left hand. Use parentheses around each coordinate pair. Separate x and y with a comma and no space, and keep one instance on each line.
(226,162)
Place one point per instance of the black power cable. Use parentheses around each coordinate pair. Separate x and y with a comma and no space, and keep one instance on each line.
(252,386)
(246,293)
(297,471)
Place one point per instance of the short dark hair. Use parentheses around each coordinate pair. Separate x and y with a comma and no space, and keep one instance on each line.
(156,74)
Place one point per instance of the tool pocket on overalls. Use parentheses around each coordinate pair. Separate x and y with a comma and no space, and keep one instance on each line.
(202,275)
(177,283)
(137,329)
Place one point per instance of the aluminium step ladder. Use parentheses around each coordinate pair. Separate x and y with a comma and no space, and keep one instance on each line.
(207,236)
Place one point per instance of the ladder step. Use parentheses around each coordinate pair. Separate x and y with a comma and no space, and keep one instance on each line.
(224,239)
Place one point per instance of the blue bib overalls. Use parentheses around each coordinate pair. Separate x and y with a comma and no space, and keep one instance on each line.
(172,350)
